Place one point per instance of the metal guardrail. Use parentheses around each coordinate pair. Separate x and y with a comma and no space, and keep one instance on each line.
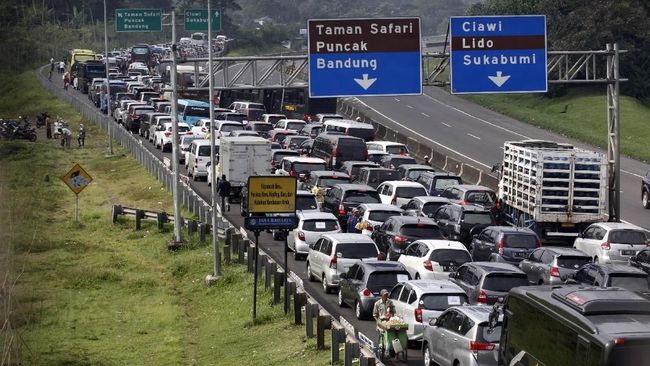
(236,242)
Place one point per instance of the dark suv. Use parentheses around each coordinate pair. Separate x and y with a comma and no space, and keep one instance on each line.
(397,232)
(394,161)
(341,198)
(412,172)
(462,222)
(486,282)
(436,182)
(374,176)
(360,285)
(504,244)
(352,167)
(611,275)
(641,260)
(645,190)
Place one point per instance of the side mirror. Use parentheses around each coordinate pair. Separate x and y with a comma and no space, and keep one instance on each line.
(433,321)
(452,275)
(343,276)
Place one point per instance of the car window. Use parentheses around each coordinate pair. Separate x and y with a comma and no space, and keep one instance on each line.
(629,282)
(412,250)
(404,296)
(320,225)
(352,271)
(430,207)
(572,262)
(503,282)
(456,324)
(318,244)
(583,276)
(357,250)
(306,202)
(384,279)
(485,334)
(547,257)
(536,256)
(599,234)
(520,241)
(589,233)
(410,192)
(445,319)
(326,247)
(422,250)
(480,197)
(440,302)
(477,218)
(634,237)
(377,215)
(394,293)
(360,274)
(361,197)
(412,297)
(461,274)
(421,231)
(448,257)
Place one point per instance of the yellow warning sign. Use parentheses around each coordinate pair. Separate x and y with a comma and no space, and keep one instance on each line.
(77,179)
(272,194)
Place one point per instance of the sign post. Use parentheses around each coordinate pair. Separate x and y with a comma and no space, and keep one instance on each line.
(267,197)
(361,57)
(197,20)
(138,20)
(77,179)
(498,54)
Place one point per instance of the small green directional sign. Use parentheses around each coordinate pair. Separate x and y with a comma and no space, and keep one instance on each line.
(197,20)
(138,20)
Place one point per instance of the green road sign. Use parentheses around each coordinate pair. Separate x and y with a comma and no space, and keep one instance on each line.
(197,20)
(138,20)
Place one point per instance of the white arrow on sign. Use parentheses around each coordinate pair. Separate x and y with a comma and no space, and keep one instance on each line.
(365,83)
(499,80)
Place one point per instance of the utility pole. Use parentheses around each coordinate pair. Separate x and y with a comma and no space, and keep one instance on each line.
(108,87)
(176,241)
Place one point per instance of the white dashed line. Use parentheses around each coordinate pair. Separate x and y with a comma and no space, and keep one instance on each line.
(474,136)
(410,106)
(397,100)
(424,114)
(446,124)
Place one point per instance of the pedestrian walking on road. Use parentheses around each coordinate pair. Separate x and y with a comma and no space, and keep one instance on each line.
(49,76)
(352,222)
(81,138)
(61,67)
(224,191)
(66,80)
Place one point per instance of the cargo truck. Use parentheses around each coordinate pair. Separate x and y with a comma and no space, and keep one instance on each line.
(241,157)
(555,189)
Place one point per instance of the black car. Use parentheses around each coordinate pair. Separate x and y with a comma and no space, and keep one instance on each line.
(504,244)
(262,128)
(641,260)
(397,232)
(645,190)
(394,161)
(486,282)
(611,275)
(460,223)
(412,172)
(336,149)
(436,182)
(352,168)
(88,71)
(359,287)
(374,176)
(342,198)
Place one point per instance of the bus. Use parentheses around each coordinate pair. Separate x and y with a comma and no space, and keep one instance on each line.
(78,55)
(571,325)
(292,102)
(141,53)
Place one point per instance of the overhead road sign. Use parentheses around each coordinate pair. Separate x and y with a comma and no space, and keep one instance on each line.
(77,179)
(272,194)
(498,54)
(197,20)
(138,20)
(268,223)
(362,57)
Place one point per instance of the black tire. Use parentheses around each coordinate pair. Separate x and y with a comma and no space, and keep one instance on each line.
(645,200)
(310,276)
(326,287)
(426,356)
(339,299)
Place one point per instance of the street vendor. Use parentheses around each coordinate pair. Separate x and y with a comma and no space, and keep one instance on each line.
(384,308)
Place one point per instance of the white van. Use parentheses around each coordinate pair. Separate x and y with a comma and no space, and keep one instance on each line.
(198,158)
(348,127)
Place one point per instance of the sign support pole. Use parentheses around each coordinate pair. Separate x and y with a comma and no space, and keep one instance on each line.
(286,271)
(76,208)
(177,203)
(257,253)
(108,88)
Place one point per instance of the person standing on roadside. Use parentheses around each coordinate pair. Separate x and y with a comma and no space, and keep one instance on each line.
(61,67)
(66,137)
(49,76)
(81,138)
(224,191)
(66,80)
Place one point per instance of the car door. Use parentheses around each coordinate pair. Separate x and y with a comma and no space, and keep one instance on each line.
(313,257)
(329,200)
(405,309)
(448,322)
(441,217)
(480,246)
(381,191)
(461,278)
(394,296)
(587,242)
(324,255)
(357,285)
(409,258)
(345,283)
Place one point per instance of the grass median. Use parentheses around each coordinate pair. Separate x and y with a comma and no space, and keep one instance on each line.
(94,293)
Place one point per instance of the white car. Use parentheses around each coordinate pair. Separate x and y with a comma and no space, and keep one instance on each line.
(163,138)
(224,128)
(290,124)
(419,301)
(374,214)
(201,127)
(155,125)
(305,202)
(389,147)
(198,159)
(272,118)
(300,166)
(399,192)
(434,259)
(121,111)
(311,225)
(612,242)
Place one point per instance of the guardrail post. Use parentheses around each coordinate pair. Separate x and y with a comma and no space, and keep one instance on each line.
(270,270)
(338,337)
(191,227)
(299,298)
(311,312)
(351,351)
(278,281)
(251,256)
(322,322)
(162,220)
(241,250)
(203,231)
(139,215)
(261,262)
(116,210)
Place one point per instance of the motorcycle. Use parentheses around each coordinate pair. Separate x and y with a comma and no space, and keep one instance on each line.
(41,119)
(13,130)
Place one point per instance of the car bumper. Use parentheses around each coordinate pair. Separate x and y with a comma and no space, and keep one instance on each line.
(367,304)
(301,247)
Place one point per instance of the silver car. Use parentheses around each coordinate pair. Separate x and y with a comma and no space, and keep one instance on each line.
(461,336)
(612,242)
(552,265)
(311,225)
(333,254)
(373,214)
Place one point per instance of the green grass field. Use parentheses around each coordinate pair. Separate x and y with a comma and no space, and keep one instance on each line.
(95,293)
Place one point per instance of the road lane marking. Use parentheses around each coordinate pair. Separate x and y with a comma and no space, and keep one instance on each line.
(424,114)
(397,100)
(474,136)
(410,106)
(446,124)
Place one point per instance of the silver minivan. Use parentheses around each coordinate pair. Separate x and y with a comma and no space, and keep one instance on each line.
(333,254)
(612,242)
(311,225)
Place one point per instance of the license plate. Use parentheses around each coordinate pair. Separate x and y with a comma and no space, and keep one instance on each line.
(567,224)
(628,252)
(520,254)
(448,268)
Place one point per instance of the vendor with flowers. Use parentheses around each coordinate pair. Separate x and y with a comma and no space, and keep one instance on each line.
(384,308)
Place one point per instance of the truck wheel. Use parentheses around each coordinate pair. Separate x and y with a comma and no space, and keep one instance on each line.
(645,200)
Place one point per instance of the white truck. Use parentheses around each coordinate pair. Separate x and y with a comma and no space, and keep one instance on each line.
(241,157)
(555,189)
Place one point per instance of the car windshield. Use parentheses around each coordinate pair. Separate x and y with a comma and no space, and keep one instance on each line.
(382,216)
(478,218)
(231,127)
(297,140)
(296,126)
(484,334)
(441,302)
(357,250)
(308,167)
(503,282)
(448,256)
(204,150)
(236,117)
(385,280)
(395,149)
(629,282)
(274,119)
(330,181)
(141,111)
(255,114)
(480,197)
(320,225)
(442,183)
(378,176)
(431,207)
(364,133)
(306,203)
(635,237)
(279,137)
(520,241)
(572,262)
(410,192)
(421,231)
(361,197)
(263,127)
(182,129)
(401,161)
(281,155)
(414,174)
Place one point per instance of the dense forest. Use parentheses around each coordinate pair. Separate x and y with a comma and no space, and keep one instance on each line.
(32,31)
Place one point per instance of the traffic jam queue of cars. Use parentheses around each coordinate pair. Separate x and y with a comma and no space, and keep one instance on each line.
(371,217)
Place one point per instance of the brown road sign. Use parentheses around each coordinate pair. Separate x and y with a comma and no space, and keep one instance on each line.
(77,179)
(272,194)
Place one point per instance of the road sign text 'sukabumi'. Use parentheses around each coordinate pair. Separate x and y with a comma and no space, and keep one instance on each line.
(356,57)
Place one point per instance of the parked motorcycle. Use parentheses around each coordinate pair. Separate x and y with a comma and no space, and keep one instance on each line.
(41,119)
(13,130)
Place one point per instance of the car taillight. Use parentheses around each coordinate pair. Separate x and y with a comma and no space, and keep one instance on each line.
(366,292)
(369,228)
(273,163)
(400,239)
(335,151)
(167,134)
(393,201)
(301,235)
(418,315)
(481,346)
(462,203)
(342,209)
(501,244)
(333,262)
(293,173)
(482,297)
(428,265)
(555,272)
(203,129)
(606,245)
